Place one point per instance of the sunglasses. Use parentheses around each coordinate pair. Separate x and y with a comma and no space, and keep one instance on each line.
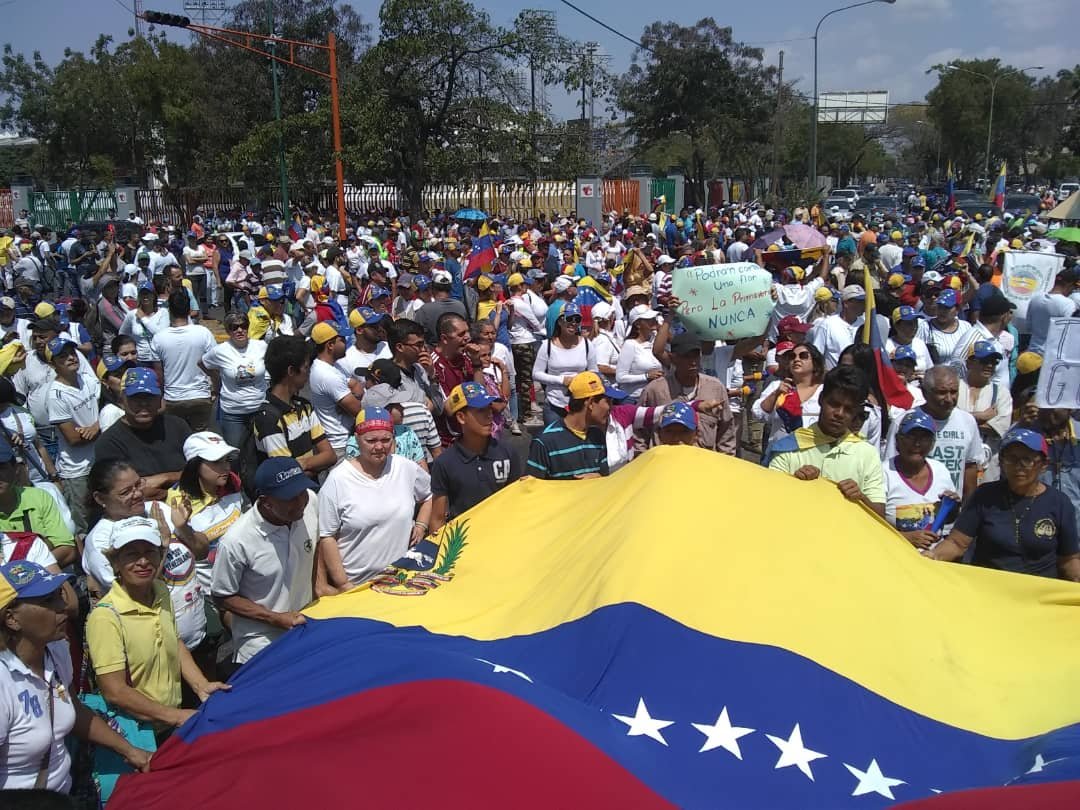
(240,327)
(800,356)
(573,319)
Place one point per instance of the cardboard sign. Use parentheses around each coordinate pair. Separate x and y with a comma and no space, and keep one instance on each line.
(724,301)
(1028,273)
(1059,378)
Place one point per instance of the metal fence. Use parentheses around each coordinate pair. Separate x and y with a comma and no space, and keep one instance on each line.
(57,208)
(621,195)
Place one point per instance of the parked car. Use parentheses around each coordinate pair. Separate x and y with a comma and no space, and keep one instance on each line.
(1065,190)
(849,194)
(882,206)
(839,208)
(1019,203)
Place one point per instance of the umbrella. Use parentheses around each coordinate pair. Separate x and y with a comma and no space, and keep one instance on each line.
(1069,209)
(1065,234)
(471,214)
(763,242)
(804,237)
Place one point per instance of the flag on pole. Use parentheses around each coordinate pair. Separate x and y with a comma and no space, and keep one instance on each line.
(950,189)
(482,255)
(893,388)
(296,229)
(997,196)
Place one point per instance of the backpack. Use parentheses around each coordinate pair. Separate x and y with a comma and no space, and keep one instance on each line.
(248,460)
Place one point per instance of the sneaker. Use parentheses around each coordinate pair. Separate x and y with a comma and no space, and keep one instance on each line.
(515,428)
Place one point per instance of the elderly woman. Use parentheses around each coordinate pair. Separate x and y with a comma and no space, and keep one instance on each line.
(989,402)
(117,490)
(366,508)
(1018,523)
(38,707)
(238,377)
(915,484)
(138,657)
(905,323)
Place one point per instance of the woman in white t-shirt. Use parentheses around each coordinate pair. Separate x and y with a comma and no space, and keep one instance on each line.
(605,341)
(366,508)
(905,322)
(238,375)
(38,705)
(801,377)
(915,484)
(117,489)
(145,321)
(637,365)
(560,357)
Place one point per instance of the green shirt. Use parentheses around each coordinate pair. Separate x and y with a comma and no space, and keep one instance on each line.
(838,460)
(36,511)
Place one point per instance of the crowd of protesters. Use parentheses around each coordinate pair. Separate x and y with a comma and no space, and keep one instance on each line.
(207,426)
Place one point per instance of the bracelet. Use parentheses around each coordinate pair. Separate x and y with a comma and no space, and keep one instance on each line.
(421,524)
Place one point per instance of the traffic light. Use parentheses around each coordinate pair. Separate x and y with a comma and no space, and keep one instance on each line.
(161,18)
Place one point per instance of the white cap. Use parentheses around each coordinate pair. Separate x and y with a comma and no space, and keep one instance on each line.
(602,310)
(652,217)
(665,259)
(206,445)
(327,240)
(642,311)
(442,277)
(933,276)
(563,283)
(131,529)
(149,237)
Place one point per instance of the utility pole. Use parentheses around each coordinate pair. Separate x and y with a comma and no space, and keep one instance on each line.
(286,213)
(778,128)
(138,18)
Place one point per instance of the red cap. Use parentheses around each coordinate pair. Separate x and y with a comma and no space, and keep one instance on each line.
(789,323)
(784,346)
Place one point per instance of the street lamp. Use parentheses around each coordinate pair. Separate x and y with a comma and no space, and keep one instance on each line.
(993,90)
(813,126)
(937,137)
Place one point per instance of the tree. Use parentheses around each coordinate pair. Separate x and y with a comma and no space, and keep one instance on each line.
(697,82)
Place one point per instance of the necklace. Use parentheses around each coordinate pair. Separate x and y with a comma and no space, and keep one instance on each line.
(1018,518)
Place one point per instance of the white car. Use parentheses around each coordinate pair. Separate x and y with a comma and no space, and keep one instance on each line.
(850,194)
(1065,190)
(839,209)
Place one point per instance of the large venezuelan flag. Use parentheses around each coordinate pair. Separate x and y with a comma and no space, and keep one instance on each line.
(650,640)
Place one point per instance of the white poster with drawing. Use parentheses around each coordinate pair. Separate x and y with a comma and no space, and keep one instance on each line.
(1059,378)
(1028,273)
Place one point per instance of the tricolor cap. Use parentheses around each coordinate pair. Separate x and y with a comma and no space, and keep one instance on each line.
(207,445)
(678,413)
(947,299)
(822,294)
(281,477)
(515,280)
(23,579)
(896,280)
(323,332)
(469,395)
(365,316)
(378,291)
(984,350)
(131,529)
(1029,438)
(275,292)
(905,313)
(904,353)
(588,384)
(56,347)
(853,292)
(371,418)
(917,419)
(141,381)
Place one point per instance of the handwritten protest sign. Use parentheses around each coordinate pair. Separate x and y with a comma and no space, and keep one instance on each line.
(1028,273)
(1059,378)
(724,301)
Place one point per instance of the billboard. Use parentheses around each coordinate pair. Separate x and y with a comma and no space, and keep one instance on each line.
(854,107)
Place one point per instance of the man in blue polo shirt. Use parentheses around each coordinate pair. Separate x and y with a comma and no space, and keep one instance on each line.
(576,446)
(475,466)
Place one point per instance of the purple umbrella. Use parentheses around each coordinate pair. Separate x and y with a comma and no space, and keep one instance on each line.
(763,242)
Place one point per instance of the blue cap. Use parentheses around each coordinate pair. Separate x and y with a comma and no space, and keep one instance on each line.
(882,238)
(947,299)
(604,277)
(910,251)
(957,250)
(147,286)
(905,353)
(379,292)
(469,395)
(918,261)
(275,292)
(421,283)
(983,350)
(141,381)
(1029,438)
(27,580)
(917,419)
(679,413)
(570,310)
(112,363)
(57,346)
(905,313)
(281,477)
(845,229)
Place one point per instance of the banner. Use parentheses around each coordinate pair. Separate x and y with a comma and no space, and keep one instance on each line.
(1028,273)
(724,301)
(1059,379)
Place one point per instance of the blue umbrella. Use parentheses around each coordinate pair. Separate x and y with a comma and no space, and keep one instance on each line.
(470,213)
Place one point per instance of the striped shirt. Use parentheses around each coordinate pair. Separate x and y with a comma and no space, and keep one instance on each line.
(559,453)
(289,429)
(417,417)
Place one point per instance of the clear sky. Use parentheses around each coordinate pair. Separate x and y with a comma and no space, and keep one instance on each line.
(876,47)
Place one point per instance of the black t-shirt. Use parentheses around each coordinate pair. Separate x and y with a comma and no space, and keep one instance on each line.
(466,479)
(1047,529)
(160,449)
(428,316)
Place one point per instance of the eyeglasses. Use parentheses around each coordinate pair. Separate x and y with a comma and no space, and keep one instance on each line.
(414,344)
(1023,462)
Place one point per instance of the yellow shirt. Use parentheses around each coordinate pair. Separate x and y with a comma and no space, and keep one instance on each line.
(259,322)
(5,246)
(838,460)
(484,309)
(146,634)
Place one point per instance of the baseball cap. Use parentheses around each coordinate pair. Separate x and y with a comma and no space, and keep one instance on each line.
(281,477)
(275,292)
(947,299)
(685,343)
(373,418)
(442,278)
(790,323)
(588,384)
(1029,438)
(905,353)
(141,381)
(665,259)
(983,350)
(7,302)
(783,347)
(43,310)
(642,312)
(378,291)
(678,413)
(206,445)
(484,282)
(382,394)
(853,292)
(383,370)
(22,579)
(602,310)
(131,529)
(323,332)
(910,251)
(365,316)
(917,419)
(56,347)
(563,283)
(905,313)
(896,235)
(918,261)
(932,277)
(514,280)
(469,395)
(824,294)
(421,283)
(634,289)
(536,274)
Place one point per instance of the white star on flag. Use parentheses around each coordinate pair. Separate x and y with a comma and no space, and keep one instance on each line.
(793,752)
(872,780)
(642,723)
(722,734)
(498,669)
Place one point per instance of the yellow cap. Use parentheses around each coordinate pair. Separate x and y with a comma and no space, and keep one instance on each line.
(896,280)
(515,280)
(526,263)
(896,235)
(823,294)
(1016,244)
(1028,362)
(956,283)
(44,310)
(484,283)
(586,385)
(323,333)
